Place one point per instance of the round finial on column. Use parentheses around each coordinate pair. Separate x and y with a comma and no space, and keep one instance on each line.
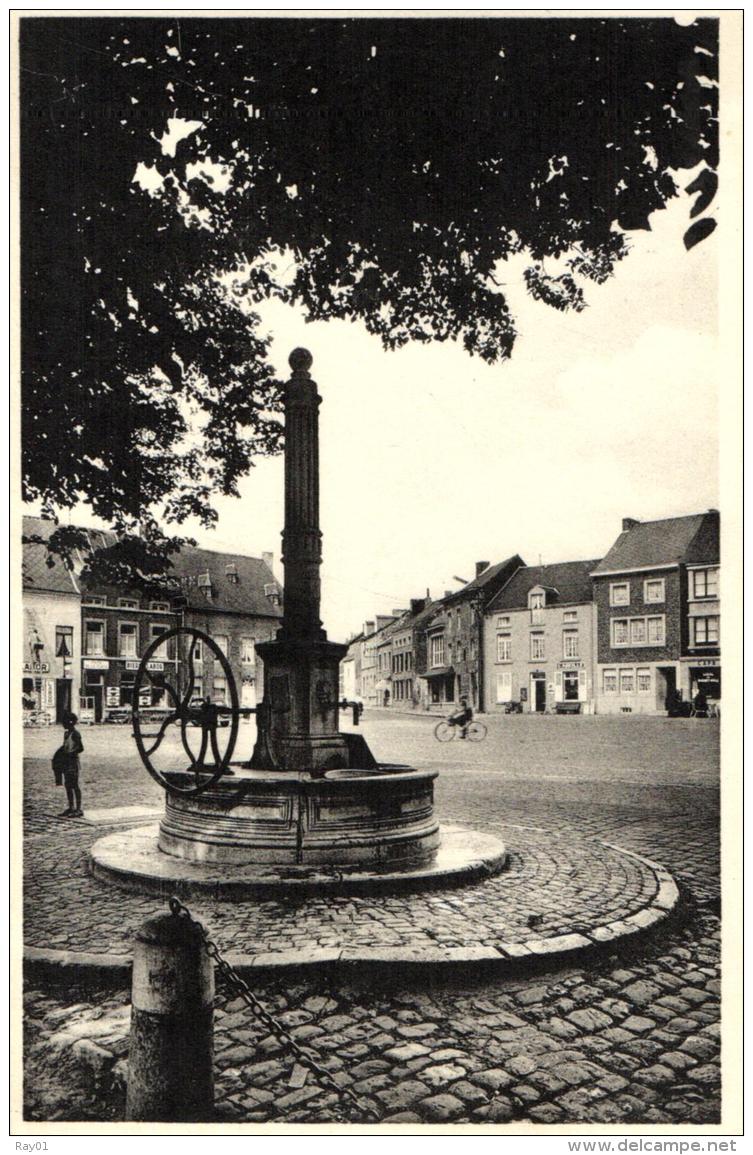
(300,360)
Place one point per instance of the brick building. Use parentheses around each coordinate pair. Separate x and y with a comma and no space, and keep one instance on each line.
(658,623)
(451,660)
(237,601)
(540,641)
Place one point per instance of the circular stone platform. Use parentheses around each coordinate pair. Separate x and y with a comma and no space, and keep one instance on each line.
(558,894)
(133,860)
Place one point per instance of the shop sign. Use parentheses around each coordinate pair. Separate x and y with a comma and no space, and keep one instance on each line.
(708,662)
(571,665)
(112,695)
(36,667)
(132,665)
(153,666)
(96,664)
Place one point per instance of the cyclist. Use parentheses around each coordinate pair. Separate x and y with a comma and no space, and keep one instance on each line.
(462,718)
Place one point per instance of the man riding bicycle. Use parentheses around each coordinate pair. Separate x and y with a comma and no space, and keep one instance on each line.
(462,718)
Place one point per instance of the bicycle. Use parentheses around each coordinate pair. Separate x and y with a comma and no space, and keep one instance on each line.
(445,731)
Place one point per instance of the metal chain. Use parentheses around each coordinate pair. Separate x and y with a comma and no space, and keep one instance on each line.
(238,986)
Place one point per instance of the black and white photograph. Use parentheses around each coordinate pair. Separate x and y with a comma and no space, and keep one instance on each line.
(376,403)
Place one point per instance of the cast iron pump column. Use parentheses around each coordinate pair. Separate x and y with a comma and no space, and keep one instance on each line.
(298,717)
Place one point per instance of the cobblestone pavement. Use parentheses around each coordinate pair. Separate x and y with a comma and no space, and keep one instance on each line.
(631,1038)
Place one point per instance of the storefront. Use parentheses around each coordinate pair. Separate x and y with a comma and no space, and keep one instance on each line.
(706,678)
(49,673)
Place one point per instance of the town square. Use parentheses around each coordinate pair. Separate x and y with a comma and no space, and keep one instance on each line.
(371,681)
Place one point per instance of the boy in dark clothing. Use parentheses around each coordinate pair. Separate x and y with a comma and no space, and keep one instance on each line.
(73,746)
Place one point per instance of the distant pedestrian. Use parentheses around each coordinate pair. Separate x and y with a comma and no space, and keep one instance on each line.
(701,705)
(72,747)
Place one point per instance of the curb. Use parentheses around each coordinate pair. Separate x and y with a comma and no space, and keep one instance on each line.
(74,968)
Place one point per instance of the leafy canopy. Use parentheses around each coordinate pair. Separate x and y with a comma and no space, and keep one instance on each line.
(177,172)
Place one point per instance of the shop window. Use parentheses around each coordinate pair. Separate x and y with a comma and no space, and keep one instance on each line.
(706,631)
(94,639)
(627,682)
(609,681)
(537,647)
(619,593)
(128,639)
(619,631)
(706,583)
(570,684)
(63,641)
(653,590)
(504,647)
(570,644)
(643,678)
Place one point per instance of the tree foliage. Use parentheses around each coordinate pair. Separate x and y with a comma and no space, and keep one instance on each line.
(378,170)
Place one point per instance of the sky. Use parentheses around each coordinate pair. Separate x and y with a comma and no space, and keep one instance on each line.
(432,460)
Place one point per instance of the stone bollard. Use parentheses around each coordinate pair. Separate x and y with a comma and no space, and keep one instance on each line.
(170,1062)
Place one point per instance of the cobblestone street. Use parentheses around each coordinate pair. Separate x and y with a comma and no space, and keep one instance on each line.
(632,1037)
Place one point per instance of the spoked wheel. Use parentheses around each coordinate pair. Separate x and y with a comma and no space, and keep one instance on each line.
(208,748)
(476,731)
(444,732)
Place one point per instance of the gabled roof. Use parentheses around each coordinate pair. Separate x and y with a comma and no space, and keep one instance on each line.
(37,574)
(570,582)
(674,540)
(486,578)
(246,595)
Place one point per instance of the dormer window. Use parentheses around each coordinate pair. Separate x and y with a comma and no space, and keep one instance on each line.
(204,583)
(536,604)
(231,572)
(272,592)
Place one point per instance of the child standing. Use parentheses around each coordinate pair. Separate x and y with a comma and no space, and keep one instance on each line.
(73,746)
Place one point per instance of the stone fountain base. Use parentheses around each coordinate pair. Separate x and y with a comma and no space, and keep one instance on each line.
(257,831)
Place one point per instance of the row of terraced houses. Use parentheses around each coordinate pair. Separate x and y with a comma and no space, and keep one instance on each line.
(83,642)
(631,632)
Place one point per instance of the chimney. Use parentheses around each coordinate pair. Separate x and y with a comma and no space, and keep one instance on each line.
(268,559)
(712,510)
(481,566)
(448,593)
(417,605)
(368,628)
(628,523)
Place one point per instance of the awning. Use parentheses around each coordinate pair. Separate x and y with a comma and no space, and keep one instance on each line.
(438,672)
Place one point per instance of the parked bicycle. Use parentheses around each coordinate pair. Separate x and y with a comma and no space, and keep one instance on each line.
(445,731)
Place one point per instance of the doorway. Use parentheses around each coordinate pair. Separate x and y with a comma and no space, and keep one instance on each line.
(62,698)
(538,693)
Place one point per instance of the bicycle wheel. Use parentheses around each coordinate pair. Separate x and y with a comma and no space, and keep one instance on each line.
(476,731)
(444,732)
